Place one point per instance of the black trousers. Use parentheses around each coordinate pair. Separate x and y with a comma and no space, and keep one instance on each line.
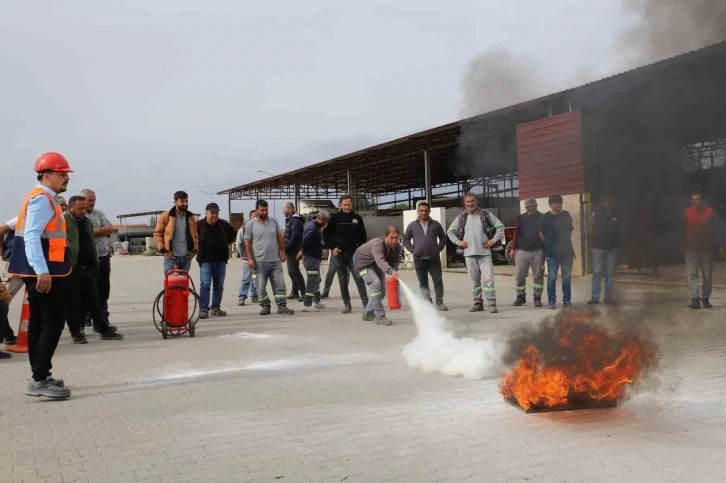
(432,267)
(344,264)
(4,323)
(296,276)
(82,299)
(104,281)
(47,317)
(332,270)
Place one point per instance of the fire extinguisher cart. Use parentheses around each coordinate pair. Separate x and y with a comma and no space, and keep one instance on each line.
(171,307)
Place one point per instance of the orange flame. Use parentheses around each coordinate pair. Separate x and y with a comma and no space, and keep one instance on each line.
(588,359)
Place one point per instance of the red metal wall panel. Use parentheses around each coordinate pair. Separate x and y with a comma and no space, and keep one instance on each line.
(549,156)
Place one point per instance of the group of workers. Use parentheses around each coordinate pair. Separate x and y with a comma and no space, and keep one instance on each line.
(61,254)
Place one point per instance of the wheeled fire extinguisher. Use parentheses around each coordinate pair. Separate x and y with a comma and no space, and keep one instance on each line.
(393,291)
(172,305)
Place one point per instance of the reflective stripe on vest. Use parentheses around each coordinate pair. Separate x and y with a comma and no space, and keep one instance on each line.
(54,233)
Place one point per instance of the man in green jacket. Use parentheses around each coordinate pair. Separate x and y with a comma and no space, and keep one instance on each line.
(83,287)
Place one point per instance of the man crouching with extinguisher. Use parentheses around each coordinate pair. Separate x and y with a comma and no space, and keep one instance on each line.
(374,260)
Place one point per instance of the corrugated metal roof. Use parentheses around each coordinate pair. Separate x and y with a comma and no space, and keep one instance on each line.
(418,141)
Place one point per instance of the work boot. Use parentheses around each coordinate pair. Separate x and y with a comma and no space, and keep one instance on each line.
(551,305)
(567,305)
(79,339)
(217,312)
(383,320)
(241,302)
(283,310)
(477,308)
(301,299)
(519,301)
(593,302)
(11,340)
(319,306)
(538,302)
(265,310)
(111,336)
(368,317)
(310,308)
(47,388)
(255,300)
(695,304)
(347,309)
(706,304)
(5,355)
(324,295)
(56,382)
(493,309)
(203,314)
(440,306)
(112,328)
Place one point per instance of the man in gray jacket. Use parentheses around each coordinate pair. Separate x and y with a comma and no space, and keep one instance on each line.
(425,238)
(476,231)
(374,260)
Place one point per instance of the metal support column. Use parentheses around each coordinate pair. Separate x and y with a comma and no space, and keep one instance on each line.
(297,196)
(349,178)
(229,206)
(427,177)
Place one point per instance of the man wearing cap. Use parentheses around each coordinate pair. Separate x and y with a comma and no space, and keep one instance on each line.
(215,235)
(527,250)
(40,256)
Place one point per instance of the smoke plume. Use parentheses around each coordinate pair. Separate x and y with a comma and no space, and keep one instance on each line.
(664,28)
(498,79)
(436,350)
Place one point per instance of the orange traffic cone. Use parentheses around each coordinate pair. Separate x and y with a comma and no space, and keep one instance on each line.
(22,345)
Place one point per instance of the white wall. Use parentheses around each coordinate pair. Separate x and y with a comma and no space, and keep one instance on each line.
(438,214)
(572,204)
(376,225)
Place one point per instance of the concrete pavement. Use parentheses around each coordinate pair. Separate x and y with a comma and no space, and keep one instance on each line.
(327,397)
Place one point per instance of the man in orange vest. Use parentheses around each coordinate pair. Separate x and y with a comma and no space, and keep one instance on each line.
(41,258)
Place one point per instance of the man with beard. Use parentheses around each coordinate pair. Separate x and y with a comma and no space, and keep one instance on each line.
(344,234)
(176,234)
(83,295)
(40,256)
(265,249)
(555,232)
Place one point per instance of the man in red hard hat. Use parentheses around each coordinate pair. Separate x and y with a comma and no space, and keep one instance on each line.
(41,258)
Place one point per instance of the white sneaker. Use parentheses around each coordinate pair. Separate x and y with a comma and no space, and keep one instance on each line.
(310,309)
(319,306)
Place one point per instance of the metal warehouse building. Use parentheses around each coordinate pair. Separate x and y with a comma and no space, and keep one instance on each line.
(648,136)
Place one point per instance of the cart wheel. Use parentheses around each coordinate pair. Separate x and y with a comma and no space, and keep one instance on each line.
(164,331)
(192,329)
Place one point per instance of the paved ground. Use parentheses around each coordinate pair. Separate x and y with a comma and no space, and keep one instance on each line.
(330,398)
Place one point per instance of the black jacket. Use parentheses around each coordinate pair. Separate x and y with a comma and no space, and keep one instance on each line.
(227,233)
(345,231)
(312,241)
(293,233)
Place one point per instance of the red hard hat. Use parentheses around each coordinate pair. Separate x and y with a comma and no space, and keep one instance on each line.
(52,162)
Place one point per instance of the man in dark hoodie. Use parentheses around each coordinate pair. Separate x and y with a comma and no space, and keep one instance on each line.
(311,252)
(374,260)
(294,225)
(344,234)
(608,227)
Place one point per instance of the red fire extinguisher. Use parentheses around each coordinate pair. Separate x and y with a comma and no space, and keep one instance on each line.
(176,298)
(393,289)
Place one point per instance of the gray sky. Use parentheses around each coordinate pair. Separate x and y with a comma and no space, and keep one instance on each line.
(148,97)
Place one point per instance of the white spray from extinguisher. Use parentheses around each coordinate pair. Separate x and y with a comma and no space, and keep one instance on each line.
(437,350)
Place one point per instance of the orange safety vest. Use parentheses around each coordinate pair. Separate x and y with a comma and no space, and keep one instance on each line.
(54,241)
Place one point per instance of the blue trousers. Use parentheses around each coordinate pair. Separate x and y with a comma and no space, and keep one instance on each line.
(211,274)
(182,263)
(553,266)
(247,286)
(604,263)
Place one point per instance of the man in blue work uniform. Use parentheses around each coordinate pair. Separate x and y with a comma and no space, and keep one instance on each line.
(41,257)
